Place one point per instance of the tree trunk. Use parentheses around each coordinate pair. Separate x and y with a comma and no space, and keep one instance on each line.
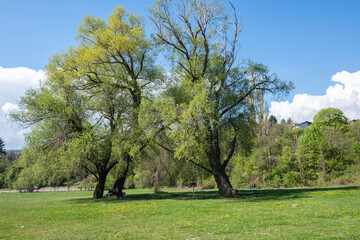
(100,186)
(120,180)
(119,186)
(221,178)
(223,183)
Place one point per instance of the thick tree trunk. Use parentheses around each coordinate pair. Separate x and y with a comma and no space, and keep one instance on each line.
(219,173)
(100,186)
(120,181)
(223,183)
(118,186)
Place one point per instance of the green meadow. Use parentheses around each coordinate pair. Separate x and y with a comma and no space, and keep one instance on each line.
(320,213)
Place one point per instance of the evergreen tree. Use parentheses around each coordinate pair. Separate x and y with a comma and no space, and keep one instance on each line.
(2,147)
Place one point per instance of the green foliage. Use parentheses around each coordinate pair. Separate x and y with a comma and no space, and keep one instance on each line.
(272,119)
(286,159)
(354,134)
(12,175)
(4,165)
(26,180)
(105,107)
(292,179)
(2,147)
(331,118)
(319,155)
(355,130)
(6,161)
(159,168)
(211,91)
(242,170)
(309,151)
(89,182)
(325,148)
(89,112)
(336,148)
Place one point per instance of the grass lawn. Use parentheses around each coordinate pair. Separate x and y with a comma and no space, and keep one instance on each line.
(321,213)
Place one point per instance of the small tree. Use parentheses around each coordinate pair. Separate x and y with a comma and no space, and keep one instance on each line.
(272,120)
(324,147)
(26,180)
(309,152)
(331,118)
(2,147)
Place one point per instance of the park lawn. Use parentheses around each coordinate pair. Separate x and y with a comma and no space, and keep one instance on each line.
(321,213)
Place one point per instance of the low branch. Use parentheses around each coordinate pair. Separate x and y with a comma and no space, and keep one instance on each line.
(111,166)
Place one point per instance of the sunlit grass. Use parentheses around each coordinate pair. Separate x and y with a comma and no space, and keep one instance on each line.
(324,213)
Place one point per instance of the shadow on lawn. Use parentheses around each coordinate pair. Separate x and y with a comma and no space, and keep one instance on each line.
(283,194)
(243,195)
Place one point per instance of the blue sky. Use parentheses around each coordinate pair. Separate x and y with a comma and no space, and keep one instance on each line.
(315,44)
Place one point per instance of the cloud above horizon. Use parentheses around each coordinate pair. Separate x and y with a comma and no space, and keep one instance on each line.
(7,108)
(13,84)
(345,95)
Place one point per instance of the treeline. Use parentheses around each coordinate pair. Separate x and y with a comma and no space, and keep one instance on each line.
(7,159)
(325,153)
(282,155)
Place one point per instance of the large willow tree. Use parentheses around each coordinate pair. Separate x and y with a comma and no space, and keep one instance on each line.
(209,115)
(102,85)
(117,55)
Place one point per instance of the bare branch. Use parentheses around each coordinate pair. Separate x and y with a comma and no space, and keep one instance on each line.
(243,97)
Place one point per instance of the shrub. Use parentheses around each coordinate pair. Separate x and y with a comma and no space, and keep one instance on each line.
(292,179)
(25,180)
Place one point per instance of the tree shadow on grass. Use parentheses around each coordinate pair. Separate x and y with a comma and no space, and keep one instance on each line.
(247,195)
(283,194)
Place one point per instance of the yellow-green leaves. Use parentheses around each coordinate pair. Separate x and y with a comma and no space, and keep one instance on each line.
(123,32)
(190,125)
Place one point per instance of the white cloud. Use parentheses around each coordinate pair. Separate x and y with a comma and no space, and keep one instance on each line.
(20,76)
(9,107)
(345,95)
(13,84)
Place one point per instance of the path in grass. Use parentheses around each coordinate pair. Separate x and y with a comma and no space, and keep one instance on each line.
(325,213)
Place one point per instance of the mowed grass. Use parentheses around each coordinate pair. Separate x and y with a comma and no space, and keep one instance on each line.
(322,213)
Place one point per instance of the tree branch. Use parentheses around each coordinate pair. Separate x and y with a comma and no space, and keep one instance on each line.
(197,164)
